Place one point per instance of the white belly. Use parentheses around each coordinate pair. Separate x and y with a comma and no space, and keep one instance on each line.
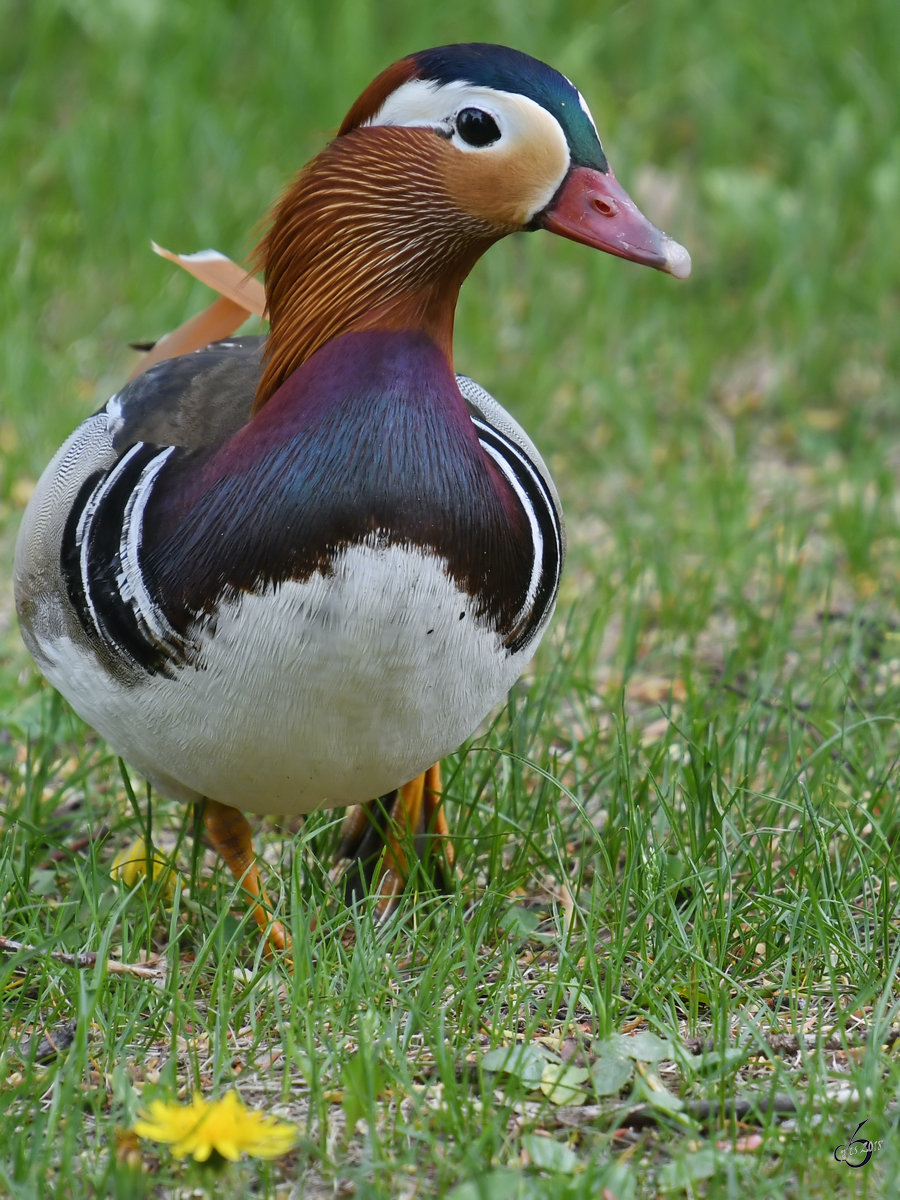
(315,694)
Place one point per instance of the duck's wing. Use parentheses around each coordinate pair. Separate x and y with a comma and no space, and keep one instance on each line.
(196,401)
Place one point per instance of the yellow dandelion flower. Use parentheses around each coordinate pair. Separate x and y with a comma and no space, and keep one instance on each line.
(130,866)
(224,1127)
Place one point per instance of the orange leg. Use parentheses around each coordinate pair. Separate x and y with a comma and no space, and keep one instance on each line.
(435,817)
(229,831)
(376,839)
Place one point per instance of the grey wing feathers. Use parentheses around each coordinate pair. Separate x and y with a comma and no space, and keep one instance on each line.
(196,400)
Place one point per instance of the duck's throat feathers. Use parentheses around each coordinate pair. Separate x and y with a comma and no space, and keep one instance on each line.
(368,237)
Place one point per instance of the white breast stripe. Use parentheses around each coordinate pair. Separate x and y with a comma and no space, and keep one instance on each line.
(543,519)
(82,532)
(84,529)
(133,587)
(536,538)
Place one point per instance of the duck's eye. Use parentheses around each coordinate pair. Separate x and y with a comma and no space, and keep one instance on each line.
(476,127)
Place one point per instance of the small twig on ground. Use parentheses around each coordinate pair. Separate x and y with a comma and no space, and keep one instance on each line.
(81,961)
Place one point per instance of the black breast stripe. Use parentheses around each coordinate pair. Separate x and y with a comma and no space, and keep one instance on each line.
(147,550)
(105,594)
(535,497)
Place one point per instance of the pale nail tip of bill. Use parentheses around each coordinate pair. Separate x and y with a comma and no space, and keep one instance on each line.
(678,260)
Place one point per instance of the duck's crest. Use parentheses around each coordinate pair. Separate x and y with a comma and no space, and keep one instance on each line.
(492,66)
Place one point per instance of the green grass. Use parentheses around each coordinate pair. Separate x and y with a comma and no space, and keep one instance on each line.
(683,822)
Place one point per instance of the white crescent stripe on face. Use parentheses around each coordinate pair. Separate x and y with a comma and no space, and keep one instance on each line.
(424,102)
(524,125)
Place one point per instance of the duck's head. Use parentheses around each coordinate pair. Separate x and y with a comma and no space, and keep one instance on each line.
(444,153)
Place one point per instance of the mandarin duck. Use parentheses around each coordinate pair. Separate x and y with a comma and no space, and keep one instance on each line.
(282,574)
